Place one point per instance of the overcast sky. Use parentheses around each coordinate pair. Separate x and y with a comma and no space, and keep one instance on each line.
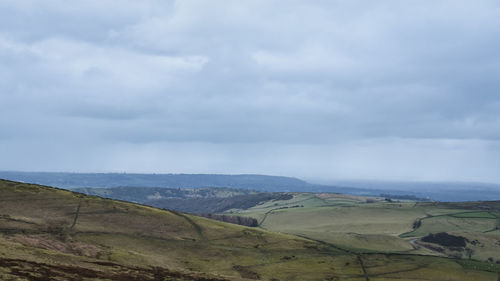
(401,90)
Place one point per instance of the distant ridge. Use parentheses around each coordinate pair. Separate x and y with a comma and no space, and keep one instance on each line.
(75,180)
(437,191)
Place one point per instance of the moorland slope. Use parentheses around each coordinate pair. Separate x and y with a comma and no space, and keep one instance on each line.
(53,234)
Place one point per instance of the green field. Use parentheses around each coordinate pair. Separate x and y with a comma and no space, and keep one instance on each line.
(53,234)
(367,225)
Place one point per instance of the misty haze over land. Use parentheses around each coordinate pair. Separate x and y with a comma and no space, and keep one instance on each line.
(312,89)
(133,184)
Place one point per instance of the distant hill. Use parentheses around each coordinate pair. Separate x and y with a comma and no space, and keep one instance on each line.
(74,180)
(437,191)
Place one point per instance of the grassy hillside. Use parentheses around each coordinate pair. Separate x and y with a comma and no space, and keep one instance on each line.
(365,224)
(53,234)
(51,226)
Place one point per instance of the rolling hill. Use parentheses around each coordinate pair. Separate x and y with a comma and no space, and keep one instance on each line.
(54,234)
(365,224)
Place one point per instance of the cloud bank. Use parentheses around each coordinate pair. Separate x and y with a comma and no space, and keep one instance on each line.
(317,89)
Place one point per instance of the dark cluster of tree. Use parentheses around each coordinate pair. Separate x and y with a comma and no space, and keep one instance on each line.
(288,207)
(477,205)
(246,221)
(417,224)
(145,194)
(193,200)
(445,239)
(217,205)
(403,197)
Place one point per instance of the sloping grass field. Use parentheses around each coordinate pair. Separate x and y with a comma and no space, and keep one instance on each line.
(53,234)
(366,225)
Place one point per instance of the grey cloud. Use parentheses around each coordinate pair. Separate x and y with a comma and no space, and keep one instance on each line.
(148,77)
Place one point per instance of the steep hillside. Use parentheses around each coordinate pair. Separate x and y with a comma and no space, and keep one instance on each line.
(52,230)
(53,234)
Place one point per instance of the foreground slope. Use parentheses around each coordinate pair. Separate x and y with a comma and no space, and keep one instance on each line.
(50,227)
(53,234)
